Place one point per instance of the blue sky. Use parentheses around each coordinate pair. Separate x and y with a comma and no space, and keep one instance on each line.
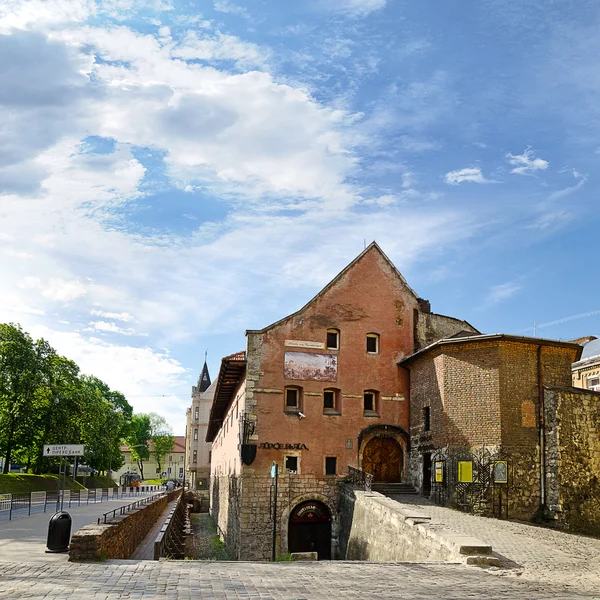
(173,173)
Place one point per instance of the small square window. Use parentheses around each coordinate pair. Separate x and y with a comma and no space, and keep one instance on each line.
(369,402)
(197,414)
(195,434)
(291,398)
(426,418)
(333,339)
(372,343)
(330,465)
(291,464)
(329,399)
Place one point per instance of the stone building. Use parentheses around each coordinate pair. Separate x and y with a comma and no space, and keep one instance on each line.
(508,398)
(197,448)
(586,371)
(315,393)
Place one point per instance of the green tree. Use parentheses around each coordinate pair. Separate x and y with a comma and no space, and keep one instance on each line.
(138,438)
(161,436)
(20,376)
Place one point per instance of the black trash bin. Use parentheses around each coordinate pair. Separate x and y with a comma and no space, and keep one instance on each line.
(59,532)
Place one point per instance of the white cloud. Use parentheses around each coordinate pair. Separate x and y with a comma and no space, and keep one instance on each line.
(55,289)
(356,8)
(526,163)
(581,181)
(468,174)
(228,7)
(125,317)
(501,292)
(110,328)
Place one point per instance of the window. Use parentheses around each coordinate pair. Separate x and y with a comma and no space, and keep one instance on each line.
(293,399)
(370,402)
(426,418)
(331,402)
(593,383)
(195,434)
(330,465)
(372,343)
(157,470)
(197,414)
(180,471)
(195,459)
(333,339)
(169,470)
(291,464)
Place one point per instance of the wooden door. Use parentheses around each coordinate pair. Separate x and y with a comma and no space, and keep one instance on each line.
(383,458)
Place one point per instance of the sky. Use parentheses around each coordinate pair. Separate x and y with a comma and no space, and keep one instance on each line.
(174,172)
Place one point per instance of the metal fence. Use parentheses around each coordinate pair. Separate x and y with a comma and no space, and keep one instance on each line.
(13,506)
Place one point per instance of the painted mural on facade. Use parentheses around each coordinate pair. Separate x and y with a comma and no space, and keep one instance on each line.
(308,366)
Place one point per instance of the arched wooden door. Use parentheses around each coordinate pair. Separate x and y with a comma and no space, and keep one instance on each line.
(310,529)
(384,459)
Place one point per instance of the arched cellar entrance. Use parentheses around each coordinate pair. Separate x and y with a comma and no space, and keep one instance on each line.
(383,457)
(310,529)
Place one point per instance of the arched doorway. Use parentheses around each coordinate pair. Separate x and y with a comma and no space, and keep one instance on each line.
(384,459)
(310,529)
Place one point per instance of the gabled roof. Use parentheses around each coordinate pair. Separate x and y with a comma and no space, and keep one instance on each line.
(372,247)
(488,337)
(233,369)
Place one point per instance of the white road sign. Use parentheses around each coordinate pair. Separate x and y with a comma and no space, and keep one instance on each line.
(63,449)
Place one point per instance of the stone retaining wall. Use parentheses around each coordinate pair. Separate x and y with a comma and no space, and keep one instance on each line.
(379,529)
(118,537)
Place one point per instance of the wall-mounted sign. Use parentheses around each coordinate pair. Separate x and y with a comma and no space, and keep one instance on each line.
(439,471)
(465,471)
(307,366)
(500,471)
(305,344)
(279,446)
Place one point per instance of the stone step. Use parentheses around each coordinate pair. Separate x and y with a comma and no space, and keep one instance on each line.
(388,489)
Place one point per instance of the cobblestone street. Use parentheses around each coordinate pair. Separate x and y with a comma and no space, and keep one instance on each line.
(533,553)
(279,581)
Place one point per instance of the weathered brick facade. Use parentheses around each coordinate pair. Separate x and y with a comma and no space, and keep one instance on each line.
(369,299)
(487,391)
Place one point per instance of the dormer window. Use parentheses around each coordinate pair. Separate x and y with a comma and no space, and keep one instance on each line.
(372,343)
(333,339)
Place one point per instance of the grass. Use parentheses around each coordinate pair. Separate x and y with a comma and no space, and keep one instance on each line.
(153,481)
(204,543)
(22,483)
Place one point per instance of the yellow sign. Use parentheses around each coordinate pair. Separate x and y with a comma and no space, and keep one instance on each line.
(465,471)
(439,471)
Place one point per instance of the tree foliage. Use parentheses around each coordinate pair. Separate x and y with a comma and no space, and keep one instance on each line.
(162,438)
(44,399)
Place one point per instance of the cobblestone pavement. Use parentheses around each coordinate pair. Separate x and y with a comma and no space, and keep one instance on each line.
(533,553)
(175,580)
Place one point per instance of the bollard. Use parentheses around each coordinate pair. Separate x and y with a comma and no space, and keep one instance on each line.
(59,532)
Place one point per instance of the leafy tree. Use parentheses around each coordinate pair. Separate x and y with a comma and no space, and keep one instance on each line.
(137,439)
(20,376)
(162,438)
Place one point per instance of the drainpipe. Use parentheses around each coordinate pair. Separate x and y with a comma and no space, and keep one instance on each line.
(542,431)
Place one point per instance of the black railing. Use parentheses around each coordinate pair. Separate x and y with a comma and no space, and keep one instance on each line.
(121,510)
(170,541)
(360,478)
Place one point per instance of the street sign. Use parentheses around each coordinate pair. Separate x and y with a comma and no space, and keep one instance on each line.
(63,449)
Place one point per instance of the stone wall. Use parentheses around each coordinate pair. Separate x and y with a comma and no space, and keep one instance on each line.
(225,507)
(118,537)
(376,528)
(573,458)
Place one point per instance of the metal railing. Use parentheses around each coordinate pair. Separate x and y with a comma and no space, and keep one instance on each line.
(121,510)
(170,541)
(14,506)
(360,478)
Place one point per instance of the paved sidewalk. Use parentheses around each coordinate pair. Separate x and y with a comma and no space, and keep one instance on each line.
(25,539)
(185,580)
(145,551)
(531,552)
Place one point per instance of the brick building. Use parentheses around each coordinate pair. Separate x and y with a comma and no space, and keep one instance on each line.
(197,415)
(510,395)
(315,393)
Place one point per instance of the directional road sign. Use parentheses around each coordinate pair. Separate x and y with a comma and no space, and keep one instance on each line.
(63,449)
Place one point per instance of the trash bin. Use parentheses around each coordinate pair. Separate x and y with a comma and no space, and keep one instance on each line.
(59,532)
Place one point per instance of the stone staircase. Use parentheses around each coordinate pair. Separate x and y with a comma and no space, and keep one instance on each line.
(393,489)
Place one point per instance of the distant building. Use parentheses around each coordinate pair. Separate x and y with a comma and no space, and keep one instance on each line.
(172,467)
(315,393)
(586,371)
(197,415)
